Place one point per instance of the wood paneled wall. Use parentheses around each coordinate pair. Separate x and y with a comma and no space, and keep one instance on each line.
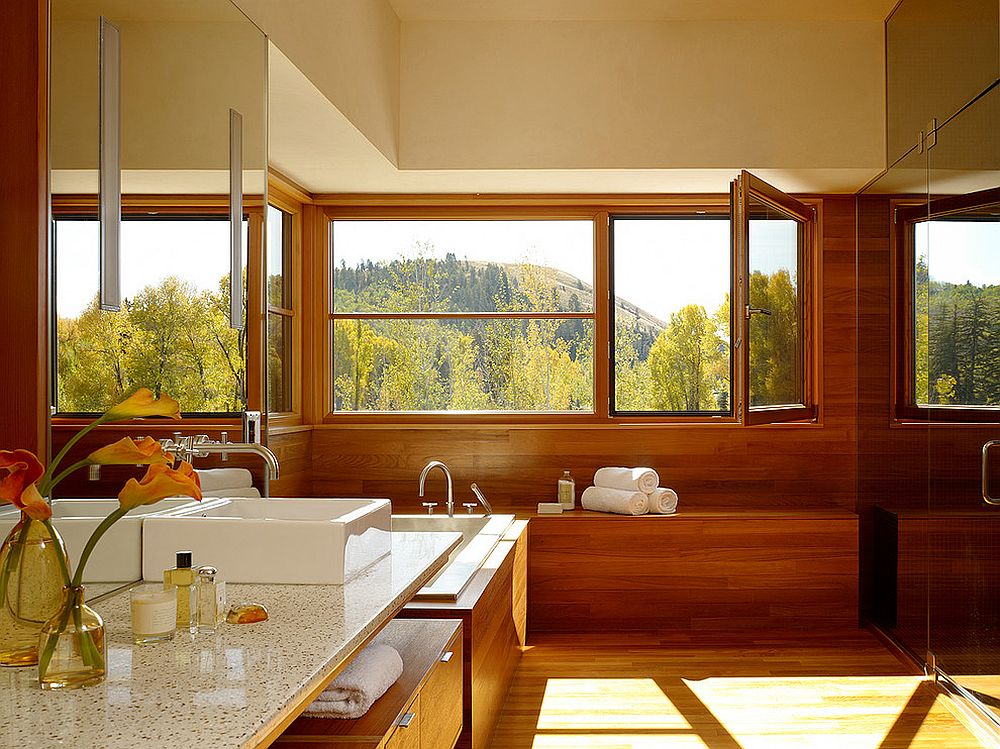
(709,465)
(24,226)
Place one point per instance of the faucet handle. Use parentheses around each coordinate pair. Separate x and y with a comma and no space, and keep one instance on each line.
(470,506)
(430,507)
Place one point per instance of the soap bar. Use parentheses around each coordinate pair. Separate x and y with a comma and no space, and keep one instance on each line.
(246,613)
(549,508)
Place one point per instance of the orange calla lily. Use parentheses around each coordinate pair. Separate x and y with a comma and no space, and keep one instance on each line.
(142,403)
(159,482)
(125,451)
(19,470)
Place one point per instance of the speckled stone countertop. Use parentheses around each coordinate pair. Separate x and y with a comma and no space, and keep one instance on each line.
(224,690)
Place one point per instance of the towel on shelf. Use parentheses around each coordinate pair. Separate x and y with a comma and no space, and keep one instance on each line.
(663,501)
(247,492)
(627,479)
(221,479)
(366,678)
(602,499)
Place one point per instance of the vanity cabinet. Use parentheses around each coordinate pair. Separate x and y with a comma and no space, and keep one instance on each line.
(422,710)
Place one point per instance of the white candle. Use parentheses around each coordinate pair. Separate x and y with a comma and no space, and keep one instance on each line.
(154,613)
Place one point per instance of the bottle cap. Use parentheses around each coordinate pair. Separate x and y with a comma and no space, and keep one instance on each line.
(184,560)
(207,573)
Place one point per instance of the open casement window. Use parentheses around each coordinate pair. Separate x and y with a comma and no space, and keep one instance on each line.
(773,237)
(948,308)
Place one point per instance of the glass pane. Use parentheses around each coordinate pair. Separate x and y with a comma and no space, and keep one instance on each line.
(279,258)
(279,363)
(463,365)
(172,333)
(671,281)
(957,309)
(463,266)
(775,333)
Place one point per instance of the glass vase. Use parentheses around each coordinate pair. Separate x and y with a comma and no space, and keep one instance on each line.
(73,644)
(31,583)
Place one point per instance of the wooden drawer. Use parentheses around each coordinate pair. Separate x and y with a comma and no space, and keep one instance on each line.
(407,733)
(441,700)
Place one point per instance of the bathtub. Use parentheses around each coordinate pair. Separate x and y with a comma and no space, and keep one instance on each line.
(480,535)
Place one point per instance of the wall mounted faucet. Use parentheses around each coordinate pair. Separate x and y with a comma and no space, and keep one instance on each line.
(189,447)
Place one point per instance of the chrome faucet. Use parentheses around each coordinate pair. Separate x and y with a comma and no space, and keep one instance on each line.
(482,499)
(447,475)
(188,447)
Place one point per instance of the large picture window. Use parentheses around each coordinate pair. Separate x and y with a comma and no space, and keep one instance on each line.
(462,315)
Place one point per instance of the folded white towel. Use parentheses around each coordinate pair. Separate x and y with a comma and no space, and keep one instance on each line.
(219,479)
(247,492)
(627,479)
(663,501)
(602,499)
(366,678)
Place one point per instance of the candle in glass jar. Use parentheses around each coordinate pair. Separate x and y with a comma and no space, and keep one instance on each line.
(154,613)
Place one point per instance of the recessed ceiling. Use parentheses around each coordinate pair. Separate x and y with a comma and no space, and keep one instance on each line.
(641,10)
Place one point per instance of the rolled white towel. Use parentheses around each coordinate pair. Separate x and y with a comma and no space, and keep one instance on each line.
(602,499)
(247,492)
(627,479)
(220,479)
(366,678)
(663,501)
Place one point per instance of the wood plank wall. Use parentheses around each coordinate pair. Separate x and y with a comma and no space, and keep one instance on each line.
(709,465)
(24,226)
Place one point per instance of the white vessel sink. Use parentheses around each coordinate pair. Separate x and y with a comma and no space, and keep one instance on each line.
(280,540)
(118,556)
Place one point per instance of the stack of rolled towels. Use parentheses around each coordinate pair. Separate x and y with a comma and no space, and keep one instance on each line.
(354,691)
(629,491)
(227,482)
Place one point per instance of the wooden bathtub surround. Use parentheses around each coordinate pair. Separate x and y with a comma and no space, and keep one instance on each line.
(493,611)
(693,571)
(429,691)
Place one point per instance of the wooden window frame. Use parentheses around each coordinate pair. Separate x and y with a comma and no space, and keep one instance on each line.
(907,213)
(322,209)
(85,205)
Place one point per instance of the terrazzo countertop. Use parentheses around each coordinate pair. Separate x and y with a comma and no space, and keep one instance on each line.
(226,689)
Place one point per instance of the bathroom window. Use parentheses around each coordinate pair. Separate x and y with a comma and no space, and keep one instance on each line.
(462,315)
(172,333)
(950,284)
(280,309)
(671,280)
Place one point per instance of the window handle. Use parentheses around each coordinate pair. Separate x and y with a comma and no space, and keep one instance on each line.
(750,311)
(986,474)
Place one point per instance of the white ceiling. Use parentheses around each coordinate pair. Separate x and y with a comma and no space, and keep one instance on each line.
(641,10)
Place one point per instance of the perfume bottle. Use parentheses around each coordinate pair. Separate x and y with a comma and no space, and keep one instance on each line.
(182,577)
(211,599)
(566,491)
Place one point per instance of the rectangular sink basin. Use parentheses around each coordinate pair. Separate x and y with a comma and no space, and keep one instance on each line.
(118,556)
(279,540)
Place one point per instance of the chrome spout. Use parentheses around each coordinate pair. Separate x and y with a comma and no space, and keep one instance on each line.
(447,475)
(200,446)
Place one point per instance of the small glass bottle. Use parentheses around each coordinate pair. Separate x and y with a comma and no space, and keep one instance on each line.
(211,599)
(566,492)
(183,577)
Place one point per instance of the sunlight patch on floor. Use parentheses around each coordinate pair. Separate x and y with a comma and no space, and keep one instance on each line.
(607,704)
(617,741)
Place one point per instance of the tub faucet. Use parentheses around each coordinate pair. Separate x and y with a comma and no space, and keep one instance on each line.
(447,475)
(482,499)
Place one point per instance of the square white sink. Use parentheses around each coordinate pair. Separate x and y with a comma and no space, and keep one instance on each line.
(118,556)
(279,540)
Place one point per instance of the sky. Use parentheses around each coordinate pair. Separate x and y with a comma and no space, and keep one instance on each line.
(961,251)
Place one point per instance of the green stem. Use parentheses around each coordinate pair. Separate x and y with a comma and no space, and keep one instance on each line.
(11,560)
(110,520)
(46,483)
(50,643)
(63,564)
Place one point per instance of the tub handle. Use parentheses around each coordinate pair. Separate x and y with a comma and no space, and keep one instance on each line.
(470,506)
(430,507)
(446,656)
(407,718)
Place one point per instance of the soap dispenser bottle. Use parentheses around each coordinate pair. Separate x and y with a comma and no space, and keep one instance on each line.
(566,491)
(182,577)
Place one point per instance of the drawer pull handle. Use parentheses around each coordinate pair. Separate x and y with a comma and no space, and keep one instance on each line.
(407,718)
(446,656)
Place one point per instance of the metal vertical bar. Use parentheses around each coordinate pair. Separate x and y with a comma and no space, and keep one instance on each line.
(235,220)
(109,170)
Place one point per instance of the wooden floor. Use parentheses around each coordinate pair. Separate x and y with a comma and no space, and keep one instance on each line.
(842,690)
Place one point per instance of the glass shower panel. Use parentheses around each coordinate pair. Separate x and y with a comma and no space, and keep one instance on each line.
(961,268)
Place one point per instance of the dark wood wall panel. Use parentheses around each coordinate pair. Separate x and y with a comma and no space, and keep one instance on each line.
(709,465)
(592,573)
(24,226)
